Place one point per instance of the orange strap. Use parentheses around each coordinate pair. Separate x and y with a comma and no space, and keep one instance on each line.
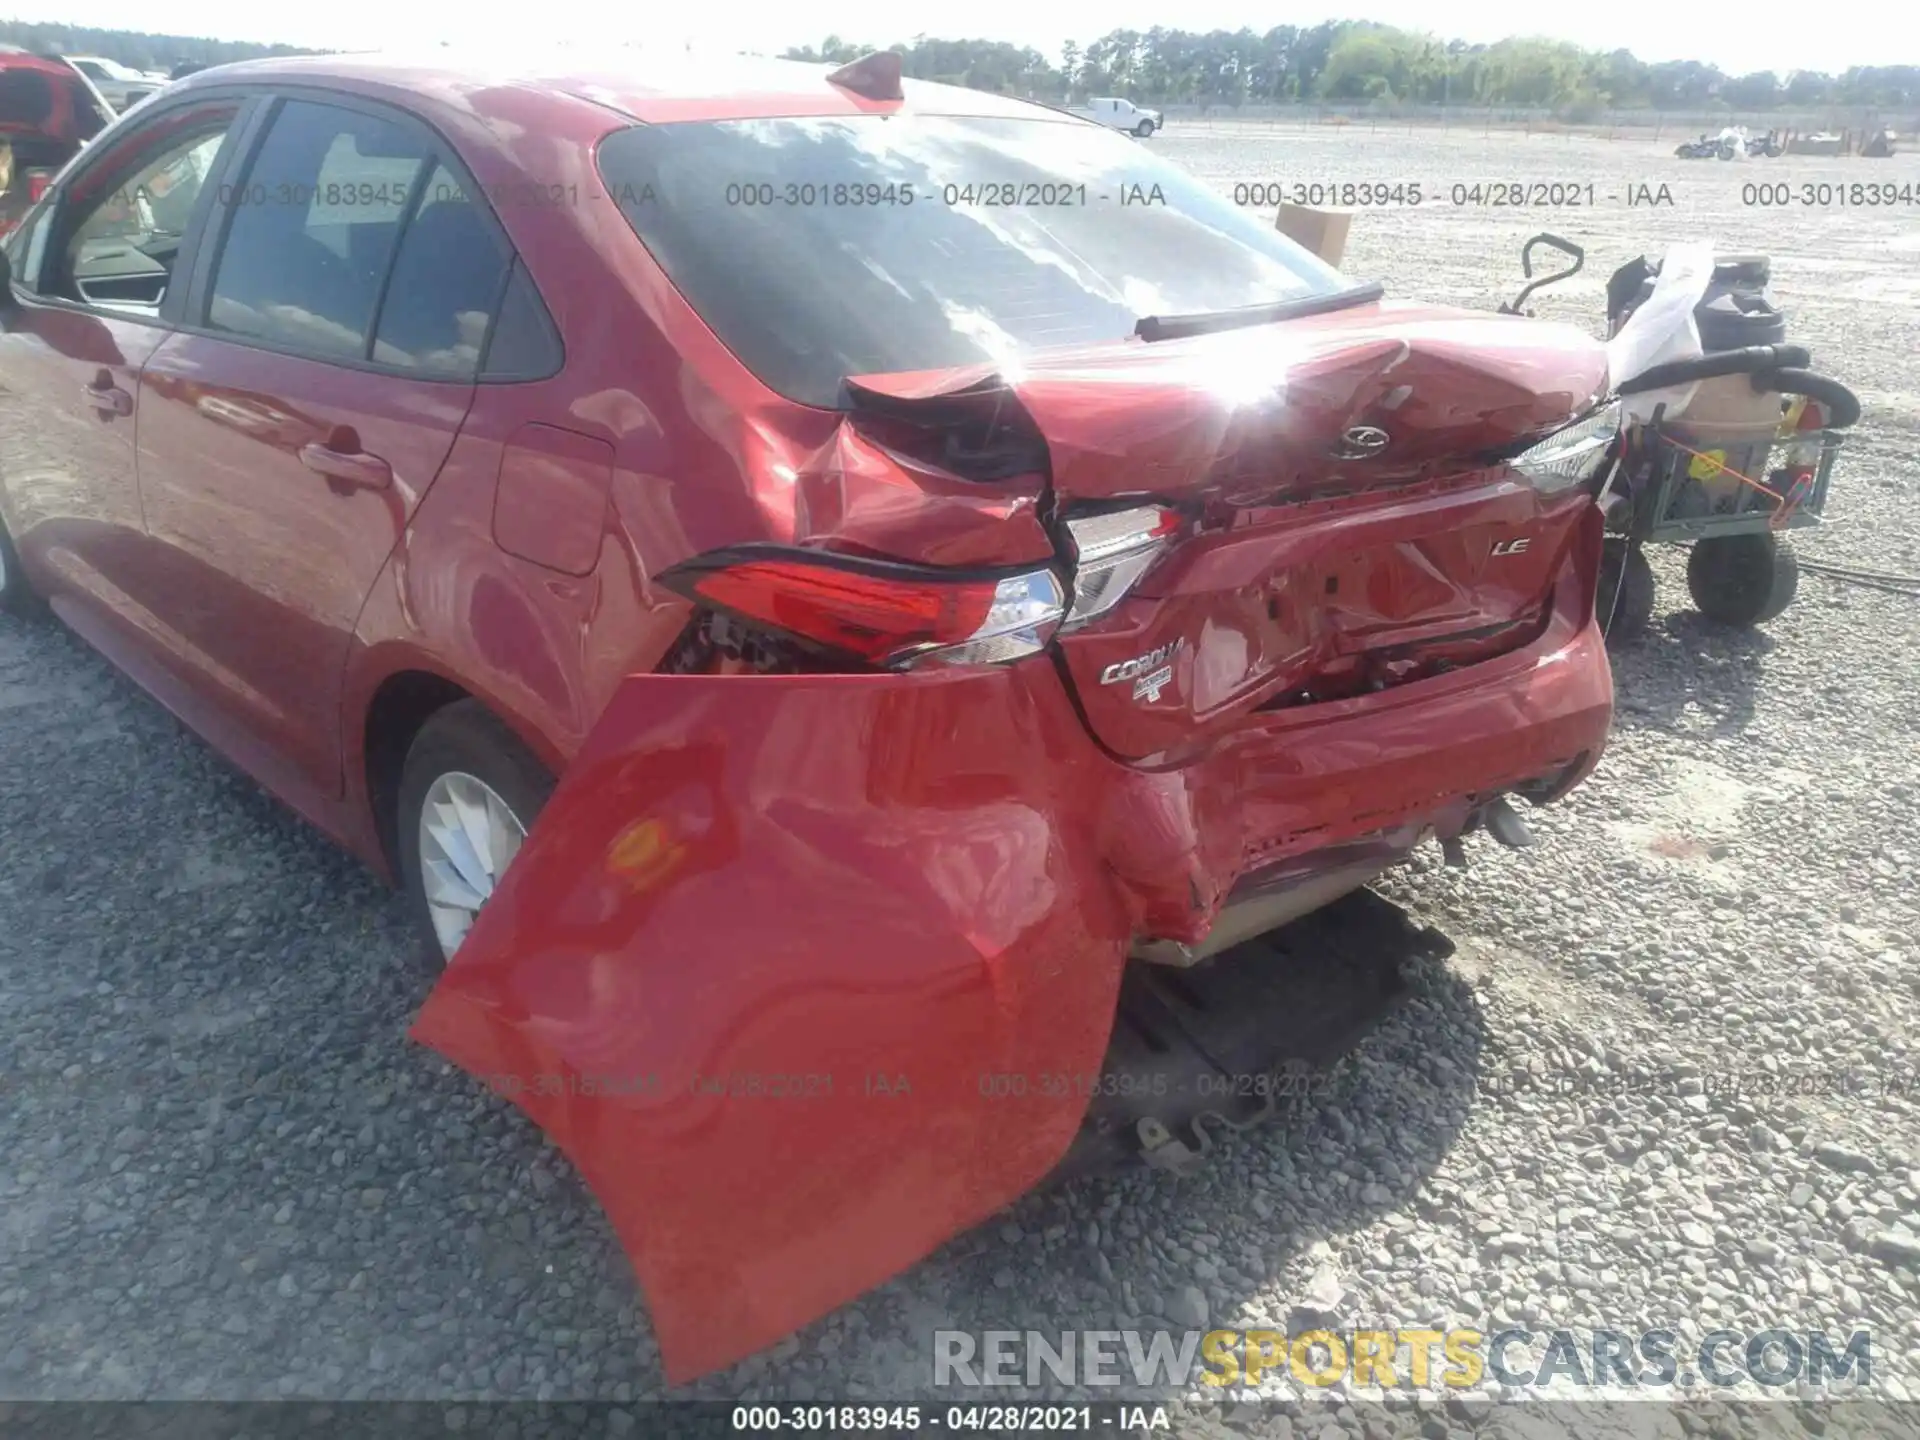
(1782,507)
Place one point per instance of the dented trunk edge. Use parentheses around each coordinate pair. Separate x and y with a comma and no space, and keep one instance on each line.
(770,953)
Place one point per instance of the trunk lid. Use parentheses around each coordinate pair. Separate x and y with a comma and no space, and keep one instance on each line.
(1346,520)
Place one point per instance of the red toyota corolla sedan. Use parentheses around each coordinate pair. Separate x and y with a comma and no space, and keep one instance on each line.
(805,581)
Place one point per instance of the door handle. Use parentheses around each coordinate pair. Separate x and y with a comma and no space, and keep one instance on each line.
(346,471)
(109,399)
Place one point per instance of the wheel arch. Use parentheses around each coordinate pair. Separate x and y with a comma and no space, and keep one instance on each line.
(400,696)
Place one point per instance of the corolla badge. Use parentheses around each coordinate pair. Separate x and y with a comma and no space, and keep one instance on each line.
(1150,672)
(1360,442)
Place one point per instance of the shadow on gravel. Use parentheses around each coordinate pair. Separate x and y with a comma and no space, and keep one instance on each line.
(1239,1242)
(1687,667)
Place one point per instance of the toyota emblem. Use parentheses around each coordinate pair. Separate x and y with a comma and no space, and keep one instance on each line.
(1360,442)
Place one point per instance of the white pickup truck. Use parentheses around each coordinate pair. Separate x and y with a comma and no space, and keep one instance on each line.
(122,85)
(1122,115)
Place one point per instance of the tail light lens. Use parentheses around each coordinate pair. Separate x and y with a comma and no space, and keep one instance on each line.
(1114,550)
(1571,456)
(889,615)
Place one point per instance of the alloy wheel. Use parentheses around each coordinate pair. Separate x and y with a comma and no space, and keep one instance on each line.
(468,837)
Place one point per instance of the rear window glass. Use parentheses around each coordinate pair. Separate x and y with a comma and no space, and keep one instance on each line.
(823,248)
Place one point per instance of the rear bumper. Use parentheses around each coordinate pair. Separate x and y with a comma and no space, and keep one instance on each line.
(1315,790)
(806,973)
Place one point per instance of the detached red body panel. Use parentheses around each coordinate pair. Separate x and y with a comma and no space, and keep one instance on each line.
(754,908)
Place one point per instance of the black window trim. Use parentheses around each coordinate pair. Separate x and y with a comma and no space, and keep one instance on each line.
(59,221)
(550,332)
(37,214)
(211,240)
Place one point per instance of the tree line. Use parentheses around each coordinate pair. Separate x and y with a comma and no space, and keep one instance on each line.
(1340,62)
(132,47)
(1361,62)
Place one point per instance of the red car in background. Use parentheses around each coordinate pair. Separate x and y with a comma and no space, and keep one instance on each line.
(48,110)
(807,582)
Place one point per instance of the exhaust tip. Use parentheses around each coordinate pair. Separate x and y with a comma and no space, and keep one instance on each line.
(1505,825)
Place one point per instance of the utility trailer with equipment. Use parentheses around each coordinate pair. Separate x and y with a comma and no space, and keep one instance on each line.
(1724,448)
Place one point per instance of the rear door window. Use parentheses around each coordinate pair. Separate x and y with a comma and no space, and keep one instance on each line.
(313,228)
(447,284)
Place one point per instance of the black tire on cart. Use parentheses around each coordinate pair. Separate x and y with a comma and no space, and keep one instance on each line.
(1743,580)
(1625,601)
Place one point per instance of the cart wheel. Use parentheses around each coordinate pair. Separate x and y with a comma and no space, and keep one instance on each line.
(1742,580)
(1625,609)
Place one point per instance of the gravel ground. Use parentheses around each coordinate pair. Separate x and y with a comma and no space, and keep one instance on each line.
(1734,898)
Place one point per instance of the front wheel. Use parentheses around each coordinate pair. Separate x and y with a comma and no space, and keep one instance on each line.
(1143,129)
(469,792)
(1743,580)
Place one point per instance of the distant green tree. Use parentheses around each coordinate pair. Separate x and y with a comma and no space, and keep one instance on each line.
(1759,91)
(137,48)
(1343,61)
(833,51)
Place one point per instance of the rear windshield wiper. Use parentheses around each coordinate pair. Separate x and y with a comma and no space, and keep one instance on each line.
(1205,322)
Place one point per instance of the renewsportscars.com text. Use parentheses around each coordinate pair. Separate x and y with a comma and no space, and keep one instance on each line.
(1401,1359)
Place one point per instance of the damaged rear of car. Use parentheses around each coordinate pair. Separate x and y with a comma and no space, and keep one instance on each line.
(1115,582)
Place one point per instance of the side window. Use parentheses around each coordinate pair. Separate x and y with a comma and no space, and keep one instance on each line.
(123,222)
(446,286)
(313,229)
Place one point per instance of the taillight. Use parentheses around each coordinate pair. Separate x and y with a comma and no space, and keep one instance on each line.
(1572,455)
(890,615)
(1114,550)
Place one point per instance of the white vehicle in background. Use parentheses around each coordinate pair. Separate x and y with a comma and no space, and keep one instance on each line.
(1122,115)
(123,86)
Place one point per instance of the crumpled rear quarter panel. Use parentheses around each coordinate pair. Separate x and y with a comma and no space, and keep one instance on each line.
(820,886)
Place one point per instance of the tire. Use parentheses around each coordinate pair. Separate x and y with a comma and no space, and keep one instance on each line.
(17,595)
(1143,130)
(463,740)
(1742,580)
(1625,600)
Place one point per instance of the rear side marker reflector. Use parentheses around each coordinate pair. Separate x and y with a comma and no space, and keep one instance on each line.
(888,615)
(1115,549)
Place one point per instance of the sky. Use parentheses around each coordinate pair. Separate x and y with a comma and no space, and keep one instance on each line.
(1736,37)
